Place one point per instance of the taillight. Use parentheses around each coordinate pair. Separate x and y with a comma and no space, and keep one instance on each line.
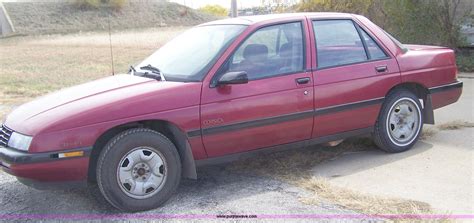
(457,72)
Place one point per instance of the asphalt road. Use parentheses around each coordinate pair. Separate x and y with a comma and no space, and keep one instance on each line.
(437,170)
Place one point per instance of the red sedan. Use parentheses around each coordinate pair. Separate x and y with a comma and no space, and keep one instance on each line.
(225,89)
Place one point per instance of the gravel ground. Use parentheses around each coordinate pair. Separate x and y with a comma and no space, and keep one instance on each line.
(218,191)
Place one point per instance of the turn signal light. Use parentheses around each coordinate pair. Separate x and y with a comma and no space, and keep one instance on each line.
(71,154)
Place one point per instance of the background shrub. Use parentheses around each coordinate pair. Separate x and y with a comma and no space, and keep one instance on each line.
(87,4)
(465,62)
(95,4)
(426,22)
(433,22)
(215,10)
(116,4)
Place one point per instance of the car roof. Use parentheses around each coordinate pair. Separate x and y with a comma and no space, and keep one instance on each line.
(249,20)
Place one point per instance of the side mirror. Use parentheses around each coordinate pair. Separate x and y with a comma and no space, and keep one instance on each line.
(238,77)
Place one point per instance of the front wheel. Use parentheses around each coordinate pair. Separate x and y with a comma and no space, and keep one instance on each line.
(400,122)
(138,170)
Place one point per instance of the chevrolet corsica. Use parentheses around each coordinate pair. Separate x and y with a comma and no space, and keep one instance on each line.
(225,89)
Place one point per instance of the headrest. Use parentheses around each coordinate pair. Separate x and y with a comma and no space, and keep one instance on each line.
(285,48)
(255,50)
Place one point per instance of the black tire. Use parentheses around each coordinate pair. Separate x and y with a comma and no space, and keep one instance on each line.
(113,153)
(382,133)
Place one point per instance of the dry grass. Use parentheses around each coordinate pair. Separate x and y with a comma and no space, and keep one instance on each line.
(36,65)
(33,66)
(454,125)
(294,167)
(364,203)
(428,133)
(291,165)
(3,113)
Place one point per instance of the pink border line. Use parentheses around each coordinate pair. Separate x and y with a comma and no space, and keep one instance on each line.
(365,216)
(105,216)
(209,216)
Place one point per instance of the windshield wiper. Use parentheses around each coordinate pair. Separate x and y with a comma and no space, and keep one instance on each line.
(150,68)
(132,70)
(153,70)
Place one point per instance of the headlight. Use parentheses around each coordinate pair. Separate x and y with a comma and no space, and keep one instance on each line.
(19,141)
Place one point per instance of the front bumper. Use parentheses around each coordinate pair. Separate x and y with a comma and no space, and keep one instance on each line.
(43,170)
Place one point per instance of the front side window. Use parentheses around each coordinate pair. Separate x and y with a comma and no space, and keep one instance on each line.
(270,51)
(338,43)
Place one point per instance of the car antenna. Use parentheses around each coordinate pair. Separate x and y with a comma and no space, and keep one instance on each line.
(111,50)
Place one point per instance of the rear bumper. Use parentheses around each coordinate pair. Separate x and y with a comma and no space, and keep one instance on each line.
(45,170)
(445,94)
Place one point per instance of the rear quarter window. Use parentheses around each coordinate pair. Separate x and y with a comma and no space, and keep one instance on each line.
(373,48)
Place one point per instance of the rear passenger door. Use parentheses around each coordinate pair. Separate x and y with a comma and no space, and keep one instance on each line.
(352,73)
(275,107)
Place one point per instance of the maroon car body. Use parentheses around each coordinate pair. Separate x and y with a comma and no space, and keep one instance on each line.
(209,123)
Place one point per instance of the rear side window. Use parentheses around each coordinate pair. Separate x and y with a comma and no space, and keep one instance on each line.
(375,52)
(338,43)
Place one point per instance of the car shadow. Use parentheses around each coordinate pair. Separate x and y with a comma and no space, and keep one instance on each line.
(219,190)
(211,193)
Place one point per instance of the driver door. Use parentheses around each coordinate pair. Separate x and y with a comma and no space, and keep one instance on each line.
(275,107)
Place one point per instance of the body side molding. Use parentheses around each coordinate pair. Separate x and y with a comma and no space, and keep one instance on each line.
(284,118)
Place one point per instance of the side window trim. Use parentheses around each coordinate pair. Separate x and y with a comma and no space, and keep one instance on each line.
(362,39)
(219,71)
(277,47)
(357,26)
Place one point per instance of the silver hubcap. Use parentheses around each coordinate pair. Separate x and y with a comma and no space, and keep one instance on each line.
(403,122)
(141,173)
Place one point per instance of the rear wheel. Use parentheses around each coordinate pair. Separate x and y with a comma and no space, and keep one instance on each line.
(400,122)
(138,170)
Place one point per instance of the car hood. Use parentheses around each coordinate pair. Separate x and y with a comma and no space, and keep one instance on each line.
(75,93)
(91,101)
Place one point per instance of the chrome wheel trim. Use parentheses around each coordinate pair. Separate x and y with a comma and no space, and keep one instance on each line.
(403,121)
(141,173)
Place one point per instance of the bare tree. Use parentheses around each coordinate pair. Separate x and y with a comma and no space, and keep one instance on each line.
(447,18)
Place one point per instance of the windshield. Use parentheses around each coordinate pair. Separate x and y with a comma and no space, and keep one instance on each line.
(189,56)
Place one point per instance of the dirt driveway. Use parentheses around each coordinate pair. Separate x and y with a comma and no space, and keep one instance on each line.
(437,171)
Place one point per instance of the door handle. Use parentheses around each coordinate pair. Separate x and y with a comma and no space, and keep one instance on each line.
(381,69)
(303,80)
